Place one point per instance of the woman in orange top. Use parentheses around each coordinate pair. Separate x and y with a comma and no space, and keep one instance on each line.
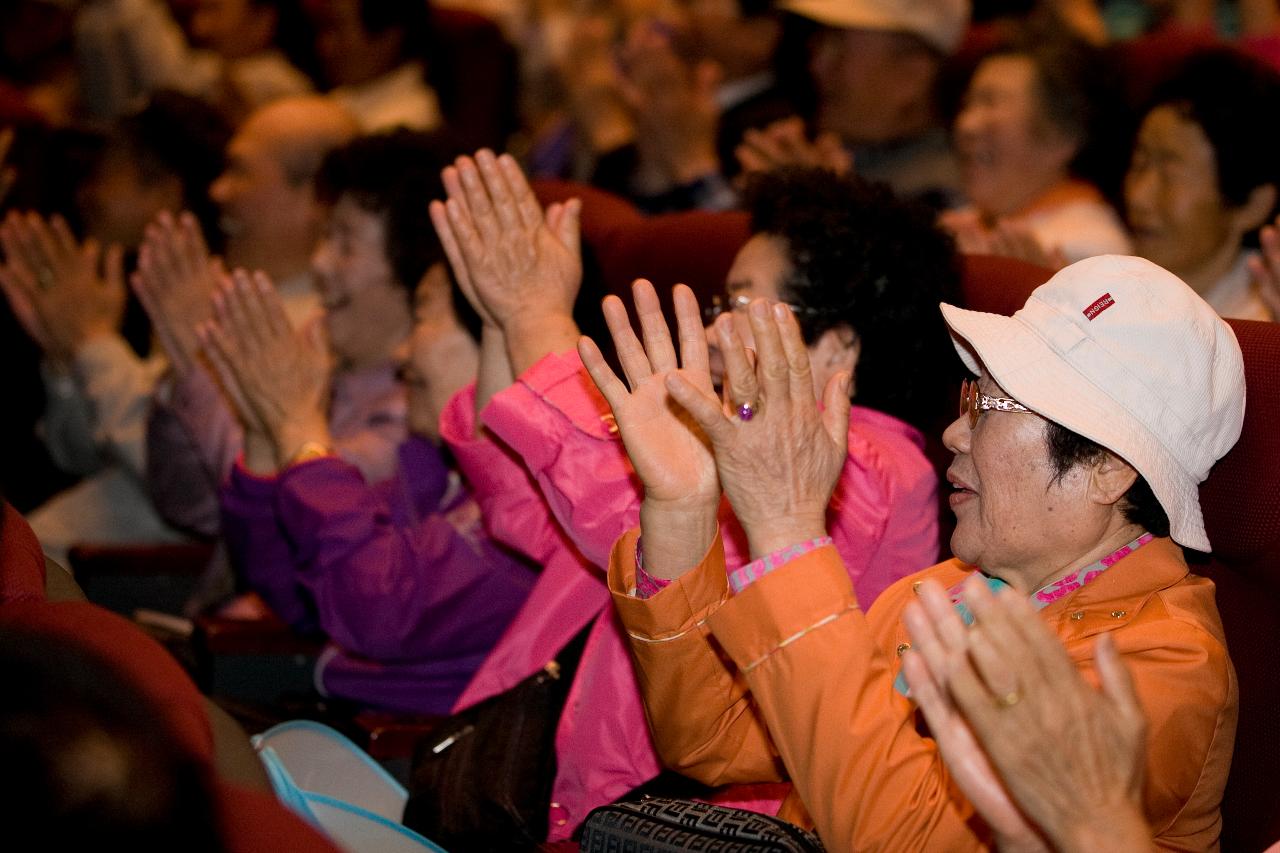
(787,678)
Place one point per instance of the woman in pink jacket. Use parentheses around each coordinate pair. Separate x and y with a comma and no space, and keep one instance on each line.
(863,273)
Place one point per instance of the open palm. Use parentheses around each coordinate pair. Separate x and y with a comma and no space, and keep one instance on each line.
(670,454)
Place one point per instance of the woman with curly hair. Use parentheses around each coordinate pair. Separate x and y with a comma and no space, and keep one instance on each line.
(862,272)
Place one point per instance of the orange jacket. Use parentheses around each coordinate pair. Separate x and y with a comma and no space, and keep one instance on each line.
(789,679)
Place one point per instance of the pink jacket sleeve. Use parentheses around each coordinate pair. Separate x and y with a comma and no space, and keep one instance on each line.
(514,512)
(554,419)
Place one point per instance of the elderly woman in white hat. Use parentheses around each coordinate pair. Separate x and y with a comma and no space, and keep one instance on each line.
(1095,412)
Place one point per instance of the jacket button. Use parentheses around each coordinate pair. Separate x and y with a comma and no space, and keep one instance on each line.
(1077,616)
(610,423)
(1119,614)
(903,648)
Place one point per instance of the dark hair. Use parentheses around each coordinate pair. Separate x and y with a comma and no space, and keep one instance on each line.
(412,17)
(62,705)
(1068,449)
(396,175)
(393,174)
(862,258)
(1078,96)
(182,136)
(1235,99)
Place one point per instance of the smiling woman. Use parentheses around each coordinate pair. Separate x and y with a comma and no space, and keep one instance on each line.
(1204,176)
(1029,140)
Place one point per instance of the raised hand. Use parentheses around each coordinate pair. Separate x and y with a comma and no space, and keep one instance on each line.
(669,452)
(64,292)
(1069,756)
(277,378)
(175,281)
(1005,239)
(673,105)
(521,269)
(778,459)
(784,144)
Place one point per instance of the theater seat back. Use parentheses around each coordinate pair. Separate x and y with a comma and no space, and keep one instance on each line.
(1241,501)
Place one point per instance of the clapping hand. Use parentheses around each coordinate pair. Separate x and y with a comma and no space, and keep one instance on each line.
(777,455)
(1016,723)
(669,452)
(674,108)
(276,378)
(63,292)
(1006,239)
(519,268)
(175,281)
(784,144)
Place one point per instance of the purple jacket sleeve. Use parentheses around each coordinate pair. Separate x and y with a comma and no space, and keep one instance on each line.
(192,442)
(390,590)
(557,422)
(259,551)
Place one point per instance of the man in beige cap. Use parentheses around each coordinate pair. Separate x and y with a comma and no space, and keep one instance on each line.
(875,64)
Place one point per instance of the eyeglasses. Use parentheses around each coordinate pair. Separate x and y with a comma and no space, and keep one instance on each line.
(973,403)
(739,302)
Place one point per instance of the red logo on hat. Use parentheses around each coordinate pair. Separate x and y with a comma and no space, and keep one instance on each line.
(1102,303)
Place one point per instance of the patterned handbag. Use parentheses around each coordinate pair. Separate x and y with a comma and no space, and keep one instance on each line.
(662,825)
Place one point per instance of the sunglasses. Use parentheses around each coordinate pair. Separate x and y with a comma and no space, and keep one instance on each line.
(973,403)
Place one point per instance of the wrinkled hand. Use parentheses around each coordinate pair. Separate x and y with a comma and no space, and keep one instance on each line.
(277,378)
(175,282)
(784,144)
(674,108)
(780,468)
(668,450)
(520,269)
(1003,694)
(1265,268)
(443,357)
(54,284)
(517,262)
(1007,239)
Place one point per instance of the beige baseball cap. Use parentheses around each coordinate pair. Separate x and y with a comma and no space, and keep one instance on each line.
(941,23)
(1124,353)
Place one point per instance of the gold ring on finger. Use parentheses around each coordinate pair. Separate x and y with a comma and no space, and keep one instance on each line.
(1008,700)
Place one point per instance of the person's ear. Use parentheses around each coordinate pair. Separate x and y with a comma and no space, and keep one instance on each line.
(1110,479)
(1256,210)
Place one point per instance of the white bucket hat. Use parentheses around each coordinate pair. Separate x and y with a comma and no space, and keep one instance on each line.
(941,23)
(1124,353)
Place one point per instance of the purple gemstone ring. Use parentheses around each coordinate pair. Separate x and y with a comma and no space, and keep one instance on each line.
(746,412)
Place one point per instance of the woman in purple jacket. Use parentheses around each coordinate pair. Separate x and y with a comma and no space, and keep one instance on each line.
(399,575)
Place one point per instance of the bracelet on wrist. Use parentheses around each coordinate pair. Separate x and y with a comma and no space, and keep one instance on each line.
(308,451)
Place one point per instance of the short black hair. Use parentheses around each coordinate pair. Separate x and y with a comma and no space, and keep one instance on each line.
(182,136)
(862,258)
(62,704)
(1077,92)
(395,175)
(413,18)
(1235,100)
(1067,449)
